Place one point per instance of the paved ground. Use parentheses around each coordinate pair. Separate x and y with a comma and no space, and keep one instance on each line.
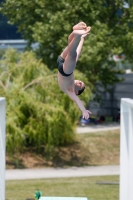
(20,174)
(96,128)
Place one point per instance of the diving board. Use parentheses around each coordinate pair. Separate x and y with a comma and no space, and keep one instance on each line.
(63,198)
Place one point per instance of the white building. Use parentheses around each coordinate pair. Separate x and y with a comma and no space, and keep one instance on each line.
(20,45)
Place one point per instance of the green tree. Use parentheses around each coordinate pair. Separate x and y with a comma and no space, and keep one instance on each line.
(49,22)
(38,113)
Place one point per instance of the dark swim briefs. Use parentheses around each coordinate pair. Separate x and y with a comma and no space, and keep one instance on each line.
(60,62)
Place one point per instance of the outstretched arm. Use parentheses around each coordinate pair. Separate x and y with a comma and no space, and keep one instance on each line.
(74,97)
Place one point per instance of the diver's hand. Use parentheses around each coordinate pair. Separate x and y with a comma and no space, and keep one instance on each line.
(86,114)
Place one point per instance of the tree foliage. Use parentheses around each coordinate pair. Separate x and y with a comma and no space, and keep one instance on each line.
(50,22)
(38,113)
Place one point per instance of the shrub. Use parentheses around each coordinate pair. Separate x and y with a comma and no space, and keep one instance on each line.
(38,113)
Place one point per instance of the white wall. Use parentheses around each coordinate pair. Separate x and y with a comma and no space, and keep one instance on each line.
(2,148)
(126,150)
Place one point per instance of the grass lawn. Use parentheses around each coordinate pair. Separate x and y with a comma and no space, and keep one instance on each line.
(72,187)
(101,148)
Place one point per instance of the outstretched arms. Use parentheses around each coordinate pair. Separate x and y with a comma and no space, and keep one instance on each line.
(74,97)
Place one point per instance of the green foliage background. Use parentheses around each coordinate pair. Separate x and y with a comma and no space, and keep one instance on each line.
(50,22)
(38,113)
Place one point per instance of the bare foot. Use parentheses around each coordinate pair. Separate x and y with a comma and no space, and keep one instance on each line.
(81,32)
(80,26)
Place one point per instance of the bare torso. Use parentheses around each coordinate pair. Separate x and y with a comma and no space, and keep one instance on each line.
(66,83)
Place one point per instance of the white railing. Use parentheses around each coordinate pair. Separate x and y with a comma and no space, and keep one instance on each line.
(2,148)
(126,150)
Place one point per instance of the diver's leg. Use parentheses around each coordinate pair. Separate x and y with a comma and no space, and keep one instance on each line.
(70,61)
(79,26)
